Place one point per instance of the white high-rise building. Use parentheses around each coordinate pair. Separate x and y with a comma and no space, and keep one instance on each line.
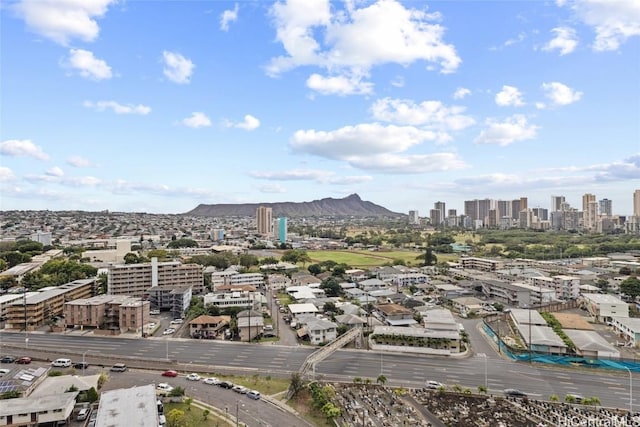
(589,211)
(556,203)
(414,217)
(636,203)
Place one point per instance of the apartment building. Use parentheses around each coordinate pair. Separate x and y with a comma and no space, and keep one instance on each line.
(235,299)
(35,309)
(175,299)
(482,264)
(107,312)
(264,221)
(136,279)
(605,307)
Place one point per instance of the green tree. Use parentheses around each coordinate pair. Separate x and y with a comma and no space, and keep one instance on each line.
(131,258)
(188,401)
(92,395)
(429,257)
(314,269)
(381,379)
(297,383)
(631,287)
(331,287)
(176,418)
(182,243)
(177,392)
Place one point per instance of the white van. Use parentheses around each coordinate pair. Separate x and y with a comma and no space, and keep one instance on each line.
(61,363)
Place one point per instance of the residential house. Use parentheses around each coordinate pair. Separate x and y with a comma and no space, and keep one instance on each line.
(396,315)
(467,305)
(250,325)
(318,331)
(208,327)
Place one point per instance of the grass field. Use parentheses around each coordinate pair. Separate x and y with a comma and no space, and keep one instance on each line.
(365,259)
(194,417)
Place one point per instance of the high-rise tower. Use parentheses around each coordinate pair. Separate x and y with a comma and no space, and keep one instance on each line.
(264,221)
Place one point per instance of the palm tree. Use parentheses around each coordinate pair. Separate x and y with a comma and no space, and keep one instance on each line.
(381,379)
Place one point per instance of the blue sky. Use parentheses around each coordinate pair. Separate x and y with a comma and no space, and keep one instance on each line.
(158,106)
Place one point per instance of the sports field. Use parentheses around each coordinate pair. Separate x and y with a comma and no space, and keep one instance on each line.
(365,258)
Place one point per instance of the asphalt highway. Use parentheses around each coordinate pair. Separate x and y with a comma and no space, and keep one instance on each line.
(186,355)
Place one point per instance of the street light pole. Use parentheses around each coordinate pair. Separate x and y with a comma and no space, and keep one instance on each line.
(630,390)
(237,413)
(83,364)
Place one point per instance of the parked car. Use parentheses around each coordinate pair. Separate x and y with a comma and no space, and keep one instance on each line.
(193,377)
(164,389)
(170,373)
(433,385)
(253,394)
(154,312)
(81,365)
(4,371)
(25,360)
(514,392)
(176,321)
(7,359)
(118,367)
(61,363)
(83,414)
(226,384)
(240,389)
(211,381)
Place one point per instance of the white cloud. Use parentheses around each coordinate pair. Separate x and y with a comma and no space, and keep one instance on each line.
(431,114)
(461,92)
(614,21)
(78,162)
(272,188)
(117,107)
(509,96)
(22,148)
(249,123)
(513,129)
(197,120)
(565,40)
(339,85)
(560,94)
(316,175)
(397,81)
(227,17)
(357,39)
(409,164)
(55,171)
(353,141)
(6,174)
(177,68)
(62,21)
(88,65)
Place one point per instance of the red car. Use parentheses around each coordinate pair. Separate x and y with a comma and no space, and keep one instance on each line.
(23,360)
(170,373)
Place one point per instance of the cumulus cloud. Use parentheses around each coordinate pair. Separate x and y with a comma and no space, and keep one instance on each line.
(117,107)
(22,148)
(62,21)
(461,92)
(353,141)
(249,123)
(560,94)
(355,39)
(429,114)
(614,21)
(339,85)
(177,68)
(6,174)
(227,17)
(509,96)
(197,120)
(512,129)
(78,162)
(55,171)
(89,67)
(565,41)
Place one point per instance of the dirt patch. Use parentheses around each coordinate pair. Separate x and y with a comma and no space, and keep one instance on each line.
(573,321)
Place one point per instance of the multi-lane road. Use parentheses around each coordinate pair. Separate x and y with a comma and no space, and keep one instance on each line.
(484,367)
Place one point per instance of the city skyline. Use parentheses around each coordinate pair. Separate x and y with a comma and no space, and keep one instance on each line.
(161,106)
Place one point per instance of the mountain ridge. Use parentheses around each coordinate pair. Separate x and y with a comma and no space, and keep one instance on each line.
(351,205)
